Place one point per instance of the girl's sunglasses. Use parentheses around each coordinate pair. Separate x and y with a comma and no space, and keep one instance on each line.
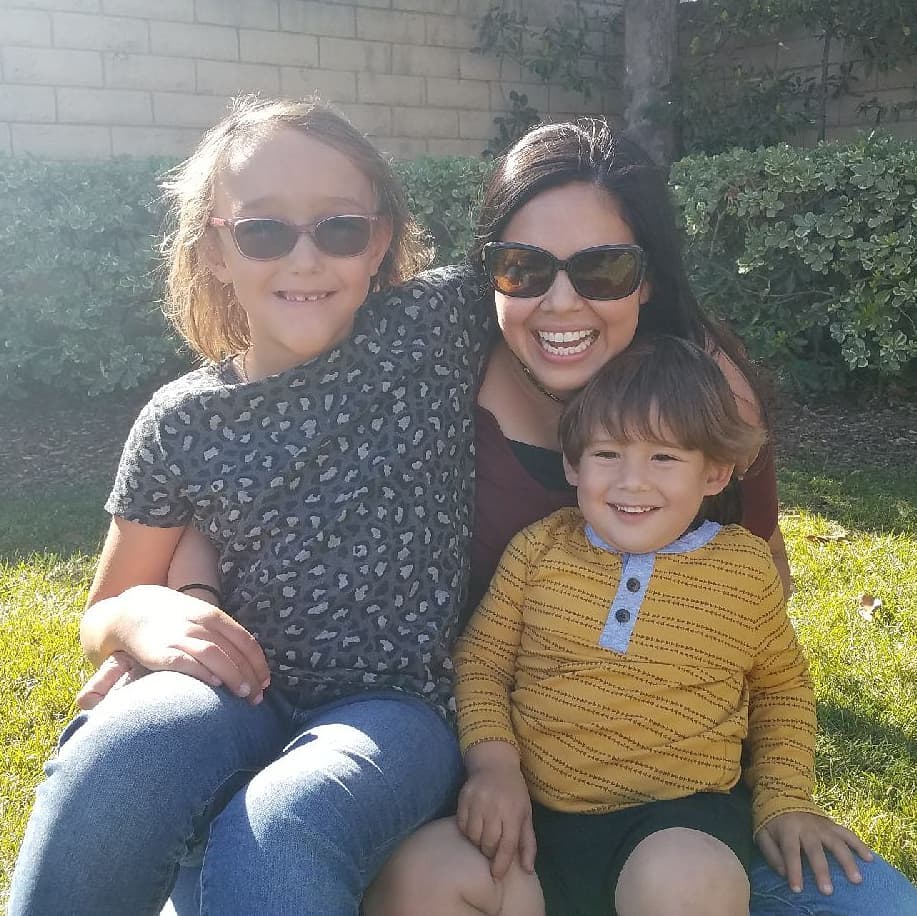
(603,272)
(264,239)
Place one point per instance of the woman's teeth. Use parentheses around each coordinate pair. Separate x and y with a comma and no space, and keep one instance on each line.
(566,343)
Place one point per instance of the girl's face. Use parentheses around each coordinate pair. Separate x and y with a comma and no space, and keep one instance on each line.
(302,303)
(561,336)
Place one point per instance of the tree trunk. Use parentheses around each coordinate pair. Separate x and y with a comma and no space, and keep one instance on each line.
(650,50)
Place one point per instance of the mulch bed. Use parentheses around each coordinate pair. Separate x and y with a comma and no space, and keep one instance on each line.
(47,441)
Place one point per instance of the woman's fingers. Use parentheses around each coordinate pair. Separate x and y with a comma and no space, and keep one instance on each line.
(250,654)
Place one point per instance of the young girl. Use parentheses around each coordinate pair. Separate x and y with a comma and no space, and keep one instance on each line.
(622,654)
(328,460)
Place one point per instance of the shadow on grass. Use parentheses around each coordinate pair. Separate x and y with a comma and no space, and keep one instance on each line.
(878,501)
(63,519)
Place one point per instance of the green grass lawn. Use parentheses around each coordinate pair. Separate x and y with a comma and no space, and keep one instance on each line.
(850,533)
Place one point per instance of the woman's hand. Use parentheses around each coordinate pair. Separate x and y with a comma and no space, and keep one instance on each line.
(494,809)
(164,630)
(783,840)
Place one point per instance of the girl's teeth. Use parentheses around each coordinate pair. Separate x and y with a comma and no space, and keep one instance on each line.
(635,510)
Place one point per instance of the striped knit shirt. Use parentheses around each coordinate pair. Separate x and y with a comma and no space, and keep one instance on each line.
(618,691)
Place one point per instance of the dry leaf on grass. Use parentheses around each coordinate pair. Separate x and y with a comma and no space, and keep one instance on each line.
(868,607)
(830,538)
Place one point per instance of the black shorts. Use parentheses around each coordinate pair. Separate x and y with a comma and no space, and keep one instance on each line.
(580,856)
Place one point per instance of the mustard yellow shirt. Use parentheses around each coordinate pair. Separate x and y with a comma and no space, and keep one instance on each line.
(624,679)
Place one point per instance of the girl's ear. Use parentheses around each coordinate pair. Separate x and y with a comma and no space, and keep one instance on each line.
(571,473)
(646,290)
(718,476)
(211,250)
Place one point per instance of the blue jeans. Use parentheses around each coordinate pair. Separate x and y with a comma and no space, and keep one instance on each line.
(884,891)
(296,811)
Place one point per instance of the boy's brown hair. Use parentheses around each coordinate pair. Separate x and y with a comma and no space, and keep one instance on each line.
(202,309)
(663,388)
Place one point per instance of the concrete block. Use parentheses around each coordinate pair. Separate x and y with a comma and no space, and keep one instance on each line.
(25,27)
(425,122)
(474,9)
(511,71)
(446,93)
(418,60)
(390,90)
(359,56)
(154,141)
(450,31)
(805,52)
(403,147)
(104,106)
(445,7)
(52,66)
(375,4)
(202,42)
(6,140)
(315,18)
(77,6)
(331,85)
(390,25)
(474,149)
(289,48)
(567,100)
(477,125)
(103,33)
(227,78)
(61,141)
(375,120)
(179,109)
(248,14)
(27,103)
(476,66)
(148,71)
(168,10)
(899,77)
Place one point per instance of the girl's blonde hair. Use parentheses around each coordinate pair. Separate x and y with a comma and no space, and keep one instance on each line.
(204,310)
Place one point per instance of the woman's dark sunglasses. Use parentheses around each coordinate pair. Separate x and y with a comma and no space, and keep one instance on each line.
(603,272)
(263,239)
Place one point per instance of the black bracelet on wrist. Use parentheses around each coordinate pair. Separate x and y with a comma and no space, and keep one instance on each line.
(204,587)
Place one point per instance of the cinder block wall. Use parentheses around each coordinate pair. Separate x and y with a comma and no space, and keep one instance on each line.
(99,78)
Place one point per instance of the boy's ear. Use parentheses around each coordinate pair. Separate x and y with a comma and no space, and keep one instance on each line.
(571,473)
(211,251)
(718,476)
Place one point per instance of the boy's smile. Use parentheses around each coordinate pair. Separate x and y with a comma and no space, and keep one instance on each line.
(641,495)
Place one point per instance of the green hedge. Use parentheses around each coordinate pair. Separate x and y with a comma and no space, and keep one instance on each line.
(810,254)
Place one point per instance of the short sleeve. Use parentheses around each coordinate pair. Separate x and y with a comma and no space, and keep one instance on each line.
(146,487)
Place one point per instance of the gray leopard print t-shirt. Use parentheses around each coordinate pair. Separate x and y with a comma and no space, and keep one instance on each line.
(337,493)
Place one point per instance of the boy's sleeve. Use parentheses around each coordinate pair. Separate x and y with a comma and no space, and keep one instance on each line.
(147,488)
(485,656)
(781,713)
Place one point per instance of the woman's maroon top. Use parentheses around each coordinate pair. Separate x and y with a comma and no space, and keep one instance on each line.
(508,497)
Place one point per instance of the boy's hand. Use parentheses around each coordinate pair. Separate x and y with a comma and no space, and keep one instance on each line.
(494,809)
(784,838)
(116,671)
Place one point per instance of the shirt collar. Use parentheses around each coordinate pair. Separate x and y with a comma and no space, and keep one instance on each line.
(697,537)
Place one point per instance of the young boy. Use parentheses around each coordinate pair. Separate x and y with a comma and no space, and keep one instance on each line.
(622,655)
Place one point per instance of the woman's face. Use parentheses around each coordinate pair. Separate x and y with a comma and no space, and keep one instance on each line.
(561,336)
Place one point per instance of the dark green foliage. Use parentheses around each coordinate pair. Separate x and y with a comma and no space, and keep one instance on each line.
(78,299)
(810,254)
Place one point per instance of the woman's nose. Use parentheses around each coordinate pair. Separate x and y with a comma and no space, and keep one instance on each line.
(561,296)
(305,254)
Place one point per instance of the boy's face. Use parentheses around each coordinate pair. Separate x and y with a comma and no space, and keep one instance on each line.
(641,495)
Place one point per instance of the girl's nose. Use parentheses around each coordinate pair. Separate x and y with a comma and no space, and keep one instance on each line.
(305,254)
